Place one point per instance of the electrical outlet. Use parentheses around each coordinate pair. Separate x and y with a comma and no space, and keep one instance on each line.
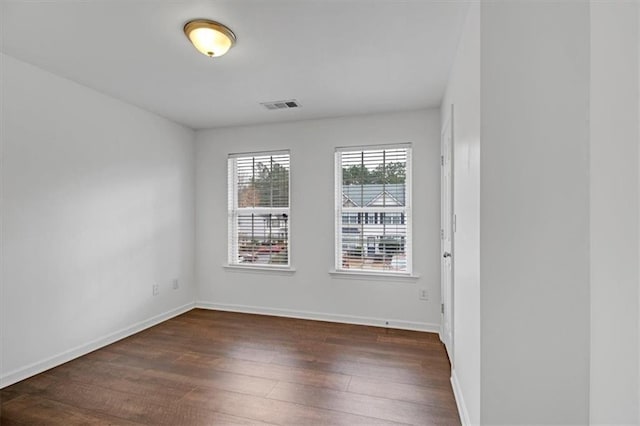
(156,289)
(423,295)
(176,284)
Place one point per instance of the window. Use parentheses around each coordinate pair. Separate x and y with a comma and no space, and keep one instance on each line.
(258,204)
(373,209)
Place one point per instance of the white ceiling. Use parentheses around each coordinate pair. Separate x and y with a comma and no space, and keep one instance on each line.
(336,57)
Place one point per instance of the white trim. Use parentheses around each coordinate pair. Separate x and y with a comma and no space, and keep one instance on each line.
(408,214)
(260,269)
(375,209)
(320,316)
(262,210)
(258,153)
(406,209)
(337,227)
(372,275)
(449,308)
(457,394)
(356,148)
(232,206)
(66,356)
(233,211)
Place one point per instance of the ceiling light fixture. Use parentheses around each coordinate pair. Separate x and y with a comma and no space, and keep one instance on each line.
(209,37)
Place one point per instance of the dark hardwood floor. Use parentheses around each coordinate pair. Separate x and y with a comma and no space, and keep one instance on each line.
(210,367)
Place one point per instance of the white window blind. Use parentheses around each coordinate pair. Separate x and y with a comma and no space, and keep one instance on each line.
(258,200)
(373,209)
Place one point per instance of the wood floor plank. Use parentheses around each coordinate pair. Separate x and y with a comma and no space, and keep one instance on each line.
(378,346)
(355,368)
(145,409)
(436,397)
(214,348)
(35,410)
(122,378)
(286,374)
(7,394)
(413,339)
(34,385)
(221,380)
(365,405)
(210,367)
(274,411)
(174,379)
(395,358)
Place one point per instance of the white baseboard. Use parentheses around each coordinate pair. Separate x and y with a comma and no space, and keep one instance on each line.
(457,393)
(46,364)
(320,316)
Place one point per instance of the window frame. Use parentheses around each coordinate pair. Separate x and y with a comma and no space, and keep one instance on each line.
(405,212)
(233,212)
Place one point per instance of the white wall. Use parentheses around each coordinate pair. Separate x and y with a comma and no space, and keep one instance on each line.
(614,213)
(97,205)
(534,224)
(311,291)
(463,91)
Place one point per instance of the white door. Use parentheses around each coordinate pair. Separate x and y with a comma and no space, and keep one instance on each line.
(446,235)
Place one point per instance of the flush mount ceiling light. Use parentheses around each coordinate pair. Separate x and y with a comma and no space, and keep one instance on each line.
(209,37)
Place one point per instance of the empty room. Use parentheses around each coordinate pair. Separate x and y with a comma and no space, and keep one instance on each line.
(305,212)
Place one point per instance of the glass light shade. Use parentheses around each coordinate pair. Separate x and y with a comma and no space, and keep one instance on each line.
(209,37)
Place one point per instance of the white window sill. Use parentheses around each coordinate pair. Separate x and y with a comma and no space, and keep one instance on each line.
(375,276)
(276,270)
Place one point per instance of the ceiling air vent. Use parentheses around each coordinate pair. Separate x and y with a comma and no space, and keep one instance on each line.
(291,103)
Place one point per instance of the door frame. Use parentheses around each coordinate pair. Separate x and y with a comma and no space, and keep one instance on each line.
(447,303)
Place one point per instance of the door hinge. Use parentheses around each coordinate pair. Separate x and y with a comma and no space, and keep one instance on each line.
(442,234)
(442,160)
(442,308)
